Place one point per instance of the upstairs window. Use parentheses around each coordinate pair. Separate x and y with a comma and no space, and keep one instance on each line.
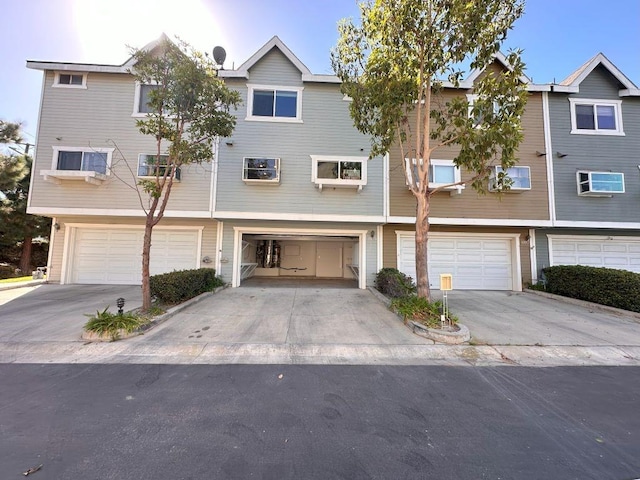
(147,165)
(339,171)
(520,179)
(600,184)
(441,173)
(261,170)
(82,160)
(70,80)
(279,104)
(141,100)
(596,117)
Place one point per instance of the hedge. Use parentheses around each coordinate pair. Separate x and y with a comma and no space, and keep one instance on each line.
(178,286)
(393,283)
(606,286)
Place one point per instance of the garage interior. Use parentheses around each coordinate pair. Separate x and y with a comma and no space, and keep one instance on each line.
(299,260)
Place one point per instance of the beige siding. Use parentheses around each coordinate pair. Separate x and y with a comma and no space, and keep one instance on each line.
(208,247)
(528,205)
(390,243)
(100,117)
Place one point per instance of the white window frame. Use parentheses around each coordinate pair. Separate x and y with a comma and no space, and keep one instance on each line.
(617,106)
(440,163)
(597,193)
(136,101)
(140,155)
(497,169)
(57,84)
(271,181)
(257,118)
(338,182)
(471,98)
(57,150)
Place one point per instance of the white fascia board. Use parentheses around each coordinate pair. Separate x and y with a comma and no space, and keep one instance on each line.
(53,211)
(590,224)
(76,67)
(565,89)
(532,87)
(300,217)
(266,48)
(233,74)
(315,78)
(630,92)
(491,222)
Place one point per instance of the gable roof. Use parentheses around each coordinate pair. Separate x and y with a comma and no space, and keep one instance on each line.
(94,67)
(243,70)
(571,84)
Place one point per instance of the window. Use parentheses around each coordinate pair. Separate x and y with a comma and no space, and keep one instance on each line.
(519,177)
(441,172)
(276,104)
(88,161)
(339,171)
(141,101)
(147,165)
(70,80)
(261,170)
(600,184)
(596,117)
(479,116)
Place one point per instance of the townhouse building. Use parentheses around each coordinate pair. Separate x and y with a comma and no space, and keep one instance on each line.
(290,193)
(593,140)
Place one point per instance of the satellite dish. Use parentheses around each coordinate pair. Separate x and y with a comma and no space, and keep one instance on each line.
(219,55)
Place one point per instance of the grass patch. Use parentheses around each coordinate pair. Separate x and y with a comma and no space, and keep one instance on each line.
(420,310)
(111,324)
(17,279)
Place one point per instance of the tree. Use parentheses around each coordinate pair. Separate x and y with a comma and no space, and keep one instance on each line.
(17,228)
(395,67)
(189,108)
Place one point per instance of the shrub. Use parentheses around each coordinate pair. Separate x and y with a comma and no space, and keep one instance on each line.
(178,286)
(606,286)
(393,283)
(420,310)
(110,324)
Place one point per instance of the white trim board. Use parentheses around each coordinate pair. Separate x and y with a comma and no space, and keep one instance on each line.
(53,211)
(476,222)
(302,217)
(238,231)
(592,224)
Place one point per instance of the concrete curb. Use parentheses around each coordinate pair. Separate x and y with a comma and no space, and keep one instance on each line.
(583,303)
(29,283)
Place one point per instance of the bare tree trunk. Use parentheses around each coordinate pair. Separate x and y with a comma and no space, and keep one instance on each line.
(422,237)
(146,255)
(25,256)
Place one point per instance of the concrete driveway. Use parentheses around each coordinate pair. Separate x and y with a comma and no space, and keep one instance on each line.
(56,312)
(278,316)
(511,318)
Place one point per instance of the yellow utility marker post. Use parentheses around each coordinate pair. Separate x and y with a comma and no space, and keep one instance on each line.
(446,284)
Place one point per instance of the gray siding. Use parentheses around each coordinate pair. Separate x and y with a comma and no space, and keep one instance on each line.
(327,129)
(100,116)
(596,152)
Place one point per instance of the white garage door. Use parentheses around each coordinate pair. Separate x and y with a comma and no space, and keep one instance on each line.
(114,256)
(476,262)
(621,253)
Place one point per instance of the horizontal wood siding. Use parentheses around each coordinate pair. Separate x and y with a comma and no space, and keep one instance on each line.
(209,235)
(100,117)
(327,129)
(596,152)
(390,253)
(275,69)
(529,205)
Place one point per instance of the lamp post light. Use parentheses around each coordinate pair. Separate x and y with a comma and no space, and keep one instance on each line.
(120,305)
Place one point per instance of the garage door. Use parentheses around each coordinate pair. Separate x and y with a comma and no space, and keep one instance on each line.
(476,262)
(113,256)
(622,253)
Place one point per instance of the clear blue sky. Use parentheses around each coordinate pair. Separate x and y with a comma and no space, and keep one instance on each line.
(557,36)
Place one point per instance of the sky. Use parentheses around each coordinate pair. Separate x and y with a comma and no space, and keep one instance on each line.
(556,36)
